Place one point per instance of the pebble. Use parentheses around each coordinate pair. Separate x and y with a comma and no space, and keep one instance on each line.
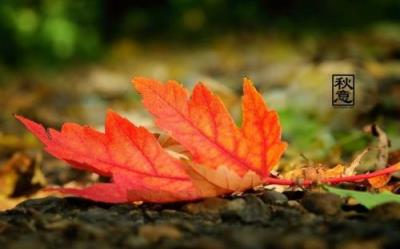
(211,206)
(47,204)
(251,209)
(151,214)
(322,203)
(273,197)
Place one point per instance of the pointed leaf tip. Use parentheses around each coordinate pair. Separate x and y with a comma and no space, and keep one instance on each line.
(36,129)
(261,128)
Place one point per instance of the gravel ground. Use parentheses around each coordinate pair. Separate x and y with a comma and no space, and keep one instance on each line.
(255,220)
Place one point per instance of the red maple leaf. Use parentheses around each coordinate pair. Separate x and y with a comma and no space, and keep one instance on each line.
(222,158)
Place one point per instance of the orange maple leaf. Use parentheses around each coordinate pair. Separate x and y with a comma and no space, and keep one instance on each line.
(224,158)
(230,157)
(129,154)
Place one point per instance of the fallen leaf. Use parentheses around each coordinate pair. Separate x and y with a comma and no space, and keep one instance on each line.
(369,200)
(351,169)
(220,157)
(379,181)
(383,145)
(382,160)
(204,127)
(20,175)
(20,178)
(394,157)
(316,172)
(130,155)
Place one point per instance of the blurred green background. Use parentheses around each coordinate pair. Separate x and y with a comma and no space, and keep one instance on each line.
(66,60)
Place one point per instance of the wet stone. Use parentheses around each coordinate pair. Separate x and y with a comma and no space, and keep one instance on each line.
(48,204)
(209,206)
(296,206)
(123,208)
(273,197)
(173,214)
(251,209)
(100,215)
(322,203)
(151,214)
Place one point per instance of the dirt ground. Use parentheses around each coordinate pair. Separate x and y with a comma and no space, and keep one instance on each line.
(255,220)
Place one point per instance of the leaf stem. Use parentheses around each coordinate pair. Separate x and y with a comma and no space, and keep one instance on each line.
(334,180)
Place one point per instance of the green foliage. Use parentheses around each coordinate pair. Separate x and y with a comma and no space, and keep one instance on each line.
(53,32)
(306,133)
(369,200)
(48,32)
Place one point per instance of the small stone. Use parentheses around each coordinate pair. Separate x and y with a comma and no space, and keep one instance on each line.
(233,210)
(97,214)
(386,211)
(150,214)
(236,205)
(322,203)
(123,208)
(273,197)
(211,206)
(154,233)
(250,210)
(295,205)
(47,204)
(173,214)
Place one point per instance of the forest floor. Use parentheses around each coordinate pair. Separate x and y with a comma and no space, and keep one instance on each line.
(265,219)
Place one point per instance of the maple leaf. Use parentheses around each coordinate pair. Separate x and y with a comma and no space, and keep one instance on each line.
(218,147)
(129,154)
(223,158)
